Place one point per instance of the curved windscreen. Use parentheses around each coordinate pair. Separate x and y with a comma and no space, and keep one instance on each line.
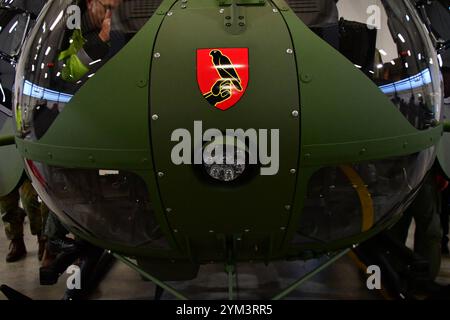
(111,205)
(343,201)
(70,42)
(386,40)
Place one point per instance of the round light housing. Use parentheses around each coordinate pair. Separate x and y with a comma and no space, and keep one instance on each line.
(225,159)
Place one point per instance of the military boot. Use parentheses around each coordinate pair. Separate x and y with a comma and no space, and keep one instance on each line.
(17,250)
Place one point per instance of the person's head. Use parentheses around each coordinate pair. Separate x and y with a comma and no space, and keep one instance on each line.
(99,9)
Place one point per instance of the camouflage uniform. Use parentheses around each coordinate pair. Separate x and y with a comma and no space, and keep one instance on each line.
(13,216)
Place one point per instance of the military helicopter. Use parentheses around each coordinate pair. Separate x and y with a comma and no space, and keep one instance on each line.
(146,126)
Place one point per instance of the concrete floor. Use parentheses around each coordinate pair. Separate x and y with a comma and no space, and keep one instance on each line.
(343,280)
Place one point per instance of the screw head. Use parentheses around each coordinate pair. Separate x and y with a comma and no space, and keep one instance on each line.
(168,210)
(160,174)
(221,11)
(183,6)
(157,55)
(292,171)
(155,117)
(170,13)
(289,51)
(306,78)
(275,10)
(295,113)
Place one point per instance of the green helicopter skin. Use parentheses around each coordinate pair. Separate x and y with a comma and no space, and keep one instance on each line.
(11,163)
(102,127)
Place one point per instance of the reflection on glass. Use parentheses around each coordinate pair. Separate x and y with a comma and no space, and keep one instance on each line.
(345,200)
(70,42)
(112,205)
(386,40)
(13,26)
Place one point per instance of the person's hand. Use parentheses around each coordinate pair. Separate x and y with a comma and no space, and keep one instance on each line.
(105,31)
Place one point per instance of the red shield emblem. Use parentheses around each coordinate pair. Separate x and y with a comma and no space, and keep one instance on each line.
(222,75)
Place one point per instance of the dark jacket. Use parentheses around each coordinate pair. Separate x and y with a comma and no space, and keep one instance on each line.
(316,13)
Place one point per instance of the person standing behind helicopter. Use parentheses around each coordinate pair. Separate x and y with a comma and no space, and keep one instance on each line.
(439,14)
(13,217)
(321,16)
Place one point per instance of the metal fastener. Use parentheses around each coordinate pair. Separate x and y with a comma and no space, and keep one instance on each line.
(155,117)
